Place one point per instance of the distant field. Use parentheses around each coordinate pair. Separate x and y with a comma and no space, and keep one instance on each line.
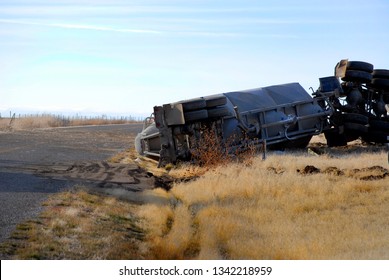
(17,122)
(316,204)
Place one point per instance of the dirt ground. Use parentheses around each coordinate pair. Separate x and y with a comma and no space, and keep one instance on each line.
(39,162)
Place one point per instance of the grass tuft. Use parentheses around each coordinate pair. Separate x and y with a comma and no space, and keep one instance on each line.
(78,225)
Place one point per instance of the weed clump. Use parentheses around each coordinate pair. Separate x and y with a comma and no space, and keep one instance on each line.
(212,150)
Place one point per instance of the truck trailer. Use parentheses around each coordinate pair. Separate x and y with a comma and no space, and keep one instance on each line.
(350,104)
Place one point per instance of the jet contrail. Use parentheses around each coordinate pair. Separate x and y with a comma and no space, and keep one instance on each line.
(145,31)
(85,27)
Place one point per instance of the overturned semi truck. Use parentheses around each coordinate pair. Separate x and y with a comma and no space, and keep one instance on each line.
(349,105)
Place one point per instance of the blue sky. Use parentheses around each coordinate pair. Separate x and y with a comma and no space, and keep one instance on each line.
(124,57)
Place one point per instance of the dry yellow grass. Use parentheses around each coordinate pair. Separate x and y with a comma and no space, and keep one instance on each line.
(290,206)
(33,122)
(48,120)
(78,225)
(271,211)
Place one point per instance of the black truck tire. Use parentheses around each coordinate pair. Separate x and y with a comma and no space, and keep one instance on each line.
(196,115)
(386,98)
(194,104)
(381,74)
(357,76)
(380,83)
(334,139)
(379,125)
(376,137)
(214,101)
(360,66)
(355,118)
(355,127)
(218,112)
(299,143)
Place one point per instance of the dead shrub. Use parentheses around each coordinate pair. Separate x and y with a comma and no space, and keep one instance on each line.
(209,149)
(212,150)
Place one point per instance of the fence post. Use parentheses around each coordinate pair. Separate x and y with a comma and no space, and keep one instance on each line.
(387,147)
(264,149)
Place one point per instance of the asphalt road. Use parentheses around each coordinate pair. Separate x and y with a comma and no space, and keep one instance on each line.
(21,191)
